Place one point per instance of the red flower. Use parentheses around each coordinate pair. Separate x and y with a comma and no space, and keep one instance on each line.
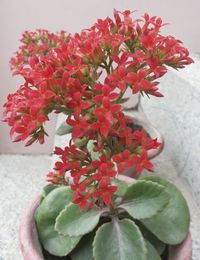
(142,162)
(77,104)
(105,191)
(55,177)
(104,91)
(118,77)
(105,116)
(82,194)
(123,160)
(104,168)
(80,126)
(141,138)
(24,113)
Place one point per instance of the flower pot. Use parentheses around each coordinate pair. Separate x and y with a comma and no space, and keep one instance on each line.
(31,248)
(29,242)
(138,119)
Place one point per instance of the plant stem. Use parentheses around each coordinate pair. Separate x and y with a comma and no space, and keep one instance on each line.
(120,96)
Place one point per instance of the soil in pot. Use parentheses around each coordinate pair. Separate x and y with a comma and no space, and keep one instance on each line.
(136,127)
(48,256)
(164,255)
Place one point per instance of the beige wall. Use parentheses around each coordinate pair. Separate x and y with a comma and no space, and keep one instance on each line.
(19,15)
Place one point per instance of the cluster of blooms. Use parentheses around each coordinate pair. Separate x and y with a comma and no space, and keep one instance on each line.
(85,76)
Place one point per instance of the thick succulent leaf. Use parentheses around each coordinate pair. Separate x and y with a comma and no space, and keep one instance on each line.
(48,188)
(172,224)
(64,129)
(45,217)
(121,187)
(119,240)
(152,254)
(84,249)
(80,142)
(148,235)
(57,244)
(145,199)
(73,222)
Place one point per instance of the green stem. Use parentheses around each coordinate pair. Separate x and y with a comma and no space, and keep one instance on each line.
(120,96)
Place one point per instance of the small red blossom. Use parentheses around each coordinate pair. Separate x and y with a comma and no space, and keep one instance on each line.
(142,162)
(105,191)
(104,168)
(80,126)
(141,137)
(124,160)
(55,177)
(105,116)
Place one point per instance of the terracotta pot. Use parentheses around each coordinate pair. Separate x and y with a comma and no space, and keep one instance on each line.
(31,248)
(28,236)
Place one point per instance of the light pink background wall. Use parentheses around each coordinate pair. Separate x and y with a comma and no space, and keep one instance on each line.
(17,16)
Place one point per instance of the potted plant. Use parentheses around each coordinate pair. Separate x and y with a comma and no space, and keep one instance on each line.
(90,210)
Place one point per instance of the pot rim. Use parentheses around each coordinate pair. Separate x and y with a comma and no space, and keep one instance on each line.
(28,235)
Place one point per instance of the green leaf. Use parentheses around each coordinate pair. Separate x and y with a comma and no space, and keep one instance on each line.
(73,222)
(172,224)
(84,250)
(157,244)
(121,187)
(80,142)
(90,147)
(64,129)
(45,217)
(152,254)
(48,188)
(119,240)
(145,199)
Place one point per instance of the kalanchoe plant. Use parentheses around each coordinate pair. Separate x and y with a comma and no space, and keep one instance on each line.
(87,212)
(142,219)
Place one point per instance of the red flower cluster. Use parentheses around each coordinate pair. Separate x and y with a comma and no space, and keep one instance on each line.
(85,76)
(91,179)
